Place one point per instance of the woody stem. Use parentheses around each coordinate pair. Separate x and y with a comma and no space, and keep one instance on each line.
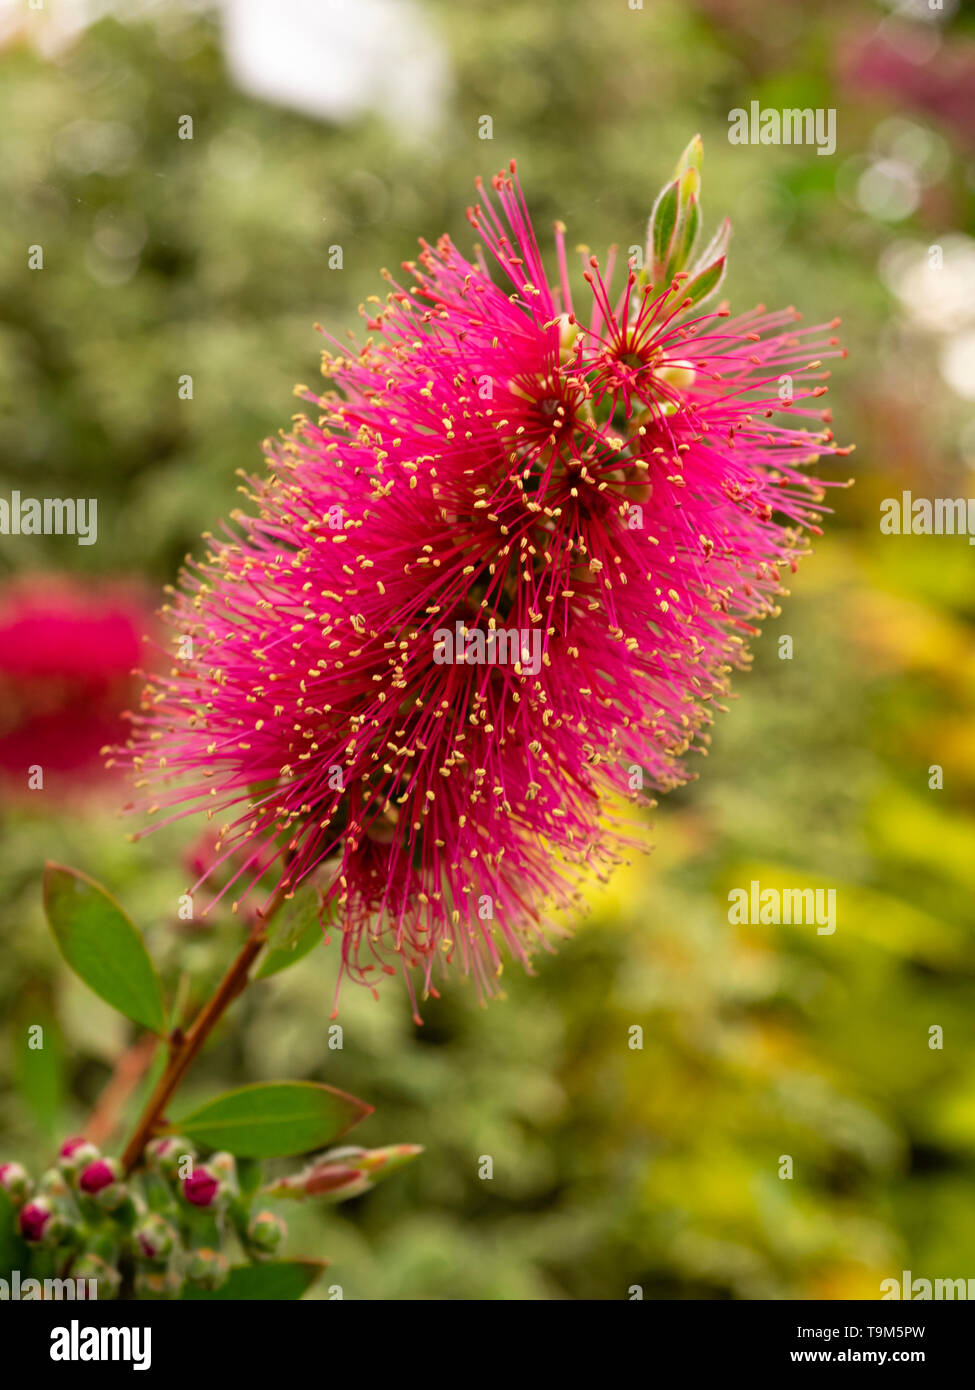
(184,1047)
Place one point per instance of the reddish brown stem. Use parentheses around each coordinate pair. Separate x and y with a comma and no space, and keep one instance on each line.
(184,1047)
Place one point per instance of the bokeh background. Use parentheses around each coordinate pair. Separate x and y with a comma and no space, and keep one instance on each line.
(358,124)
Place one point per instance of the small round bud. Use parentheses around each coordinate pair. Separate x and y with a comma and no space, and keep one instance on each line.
(153,1239)
(266,1232)
(208,1269)
(102,1180)
(41,1223)
(35,1219)
(224,1165)
(99,1175)
(76,1153)
(201,1188)
(16,1182)
(107,1278)
(168,1155)
(677,374)
(52,1183)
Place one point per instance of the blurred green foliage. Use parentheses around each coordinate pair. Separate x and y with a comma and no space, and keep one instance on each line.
(612,1166)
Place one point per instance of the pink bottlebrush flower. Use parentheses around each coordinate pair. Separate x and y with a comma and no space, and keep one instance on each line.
(495,582)
(907,65)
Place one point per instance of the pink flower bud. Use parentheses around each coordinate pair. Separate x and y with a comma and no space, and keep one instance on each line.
(334,1178)
(154,1238)
(201,1187)
(34,1218)
(99,1175)
(167,1154)
(76,1153)
(160,1148)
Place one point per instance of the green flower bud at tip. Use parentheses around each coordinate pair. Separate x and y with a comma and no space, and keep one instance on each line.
(266,1231)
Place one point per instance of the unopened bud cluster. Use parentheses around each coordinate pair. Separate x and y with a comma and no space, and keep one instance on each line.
(166,1228)
(150,1235)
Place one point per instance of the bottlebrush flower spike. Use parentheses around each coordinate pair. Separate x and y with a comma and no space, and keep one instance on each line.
(496,580)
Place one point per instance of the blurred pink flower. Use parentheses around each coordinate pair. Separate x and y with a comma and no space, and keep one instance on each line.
(913,69)
(67,652)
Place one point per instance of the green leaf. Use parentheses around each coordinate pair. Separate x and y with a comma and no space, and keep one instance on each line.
(688,185)
(688,224)
(663,222)
(690,293)
(14,1252)
(702,286)
(676,219)
(691,158)
(103,946)
(275,1281)
(294,933)
(273,1119)
(249,1176)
